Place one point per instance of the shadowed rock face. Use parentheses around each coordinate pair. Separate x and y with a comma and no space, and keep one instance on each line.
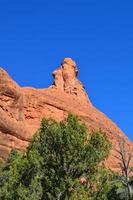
(21,109)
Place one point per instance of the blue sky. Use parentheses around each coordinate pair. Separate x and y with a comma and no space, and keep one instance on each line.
(35,35)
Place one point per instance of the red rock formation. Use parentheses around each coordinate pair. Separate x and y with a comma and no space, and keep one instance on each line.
(65,78)
(21,109)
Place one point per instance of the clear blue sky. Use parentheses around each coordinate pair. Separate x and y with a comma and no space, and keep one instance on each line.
(35,35)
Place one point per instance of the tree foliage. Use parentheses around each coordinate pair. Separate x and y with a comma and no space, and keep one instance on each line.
(58,158)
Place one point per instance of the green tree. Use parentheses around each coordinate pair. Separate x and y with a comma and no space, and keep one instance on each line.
(58,157)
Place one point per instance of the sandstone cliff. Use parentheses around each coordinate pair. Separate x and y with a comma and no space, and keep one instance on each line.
(21,109)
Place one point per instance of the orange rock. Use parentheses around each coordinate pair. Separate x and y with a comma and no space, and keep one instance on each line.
(21,109)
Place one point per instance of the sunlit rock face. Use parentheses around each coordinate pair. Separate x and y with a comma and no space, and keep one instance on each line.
(65,78)
(21,109)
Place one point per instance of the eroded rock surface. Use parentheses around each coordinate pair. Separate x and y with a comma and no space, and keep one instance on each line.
(65,79)
(21,109)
